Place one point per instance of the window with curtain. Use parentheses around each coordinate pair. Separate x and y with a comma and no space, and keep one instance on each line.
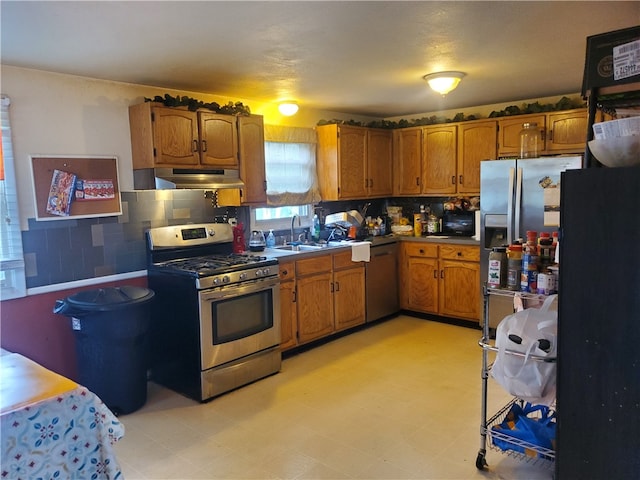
(12,276)
(292,185)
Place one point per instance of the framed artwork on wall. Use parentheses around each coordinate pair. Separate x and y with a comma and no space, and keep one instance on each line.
(72,186)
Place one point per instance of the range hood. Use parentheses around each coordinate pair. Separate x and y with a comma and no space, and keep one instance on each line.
(168,178)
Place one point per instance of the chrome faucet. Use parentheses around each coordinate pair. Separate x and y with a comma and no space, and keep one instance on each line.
(293,219)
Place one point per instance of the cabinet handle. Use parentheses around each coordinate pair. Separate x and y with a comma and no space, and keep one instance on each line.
(435,274)
(204,145)
(285,272)
(453,179)
(460,179)
(337,286)
(441,273)
(421,252)
(195,145)
(459,254)
(417,181)
(294,296)
(332,288)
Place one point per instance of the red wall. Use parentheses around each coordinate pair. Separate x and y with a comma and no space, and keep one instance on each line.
(28,326)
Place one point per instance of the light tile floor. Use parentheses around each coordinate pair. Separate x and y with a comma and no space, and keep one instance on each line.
(398,400)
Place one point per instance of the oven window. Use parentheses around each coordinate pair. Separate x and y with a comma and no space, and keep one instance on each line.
(242,316)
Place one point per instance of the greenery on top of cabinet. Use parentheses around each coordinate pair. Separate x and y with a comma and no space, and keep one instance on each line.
(565,103)
(192,105)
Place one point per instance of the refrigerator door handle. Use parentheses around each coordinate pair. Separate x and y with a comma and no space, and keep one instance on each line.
(510,206)
(518,209)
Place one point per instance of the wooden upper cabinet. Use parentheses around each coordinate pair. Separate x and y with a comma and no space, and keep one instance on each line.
(439,159)
(407,161)
(562,132)
(352,152)
(251,153)
(354,162)
(477,141)
(509,132)
(218,140)
(175,137)
(379,180)
(567,131)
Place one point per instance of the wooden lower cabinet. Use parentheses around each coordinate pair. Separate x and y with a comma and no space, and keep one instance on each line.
(326,296)
(349,301)
(315,306)
(443,279)
(288,311)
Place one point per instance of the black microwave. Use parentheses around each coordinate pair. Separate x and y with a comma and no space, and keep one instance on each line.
(460,223)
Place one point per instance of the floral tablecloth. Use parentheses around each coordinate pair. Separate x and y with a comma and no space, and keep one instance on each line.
(67,435)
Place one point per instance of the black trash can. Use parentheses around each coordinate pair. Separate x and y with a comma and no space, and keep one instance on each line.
(110,326)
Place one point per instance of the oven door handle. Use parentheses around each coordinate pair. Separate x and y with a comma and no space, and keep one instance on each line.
(240,289)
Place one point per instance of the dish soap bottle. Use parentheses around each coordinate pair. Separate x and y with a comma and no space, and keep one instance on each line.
(316,229)
(271,239)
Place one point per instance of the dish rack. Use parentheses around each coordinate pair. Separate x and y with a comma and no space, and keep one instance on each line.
(533,454)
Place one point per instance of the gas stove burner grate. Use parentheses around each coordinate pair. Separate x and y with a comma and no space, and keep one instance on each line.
(212,264)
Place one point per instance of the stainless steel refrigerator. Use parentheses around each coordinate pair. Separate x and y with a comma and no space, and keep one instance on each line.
(517,195)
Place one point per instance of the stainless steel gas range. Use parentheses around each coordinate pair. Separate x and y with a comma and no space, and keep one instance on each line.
(216,320)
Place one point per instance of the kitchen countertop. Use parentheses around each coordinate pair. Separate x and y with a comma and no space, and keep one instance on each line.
(383,240)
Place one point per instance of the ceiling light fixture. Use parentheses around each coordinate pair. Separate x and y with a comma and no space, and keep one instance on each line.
(443,82)
(288,108)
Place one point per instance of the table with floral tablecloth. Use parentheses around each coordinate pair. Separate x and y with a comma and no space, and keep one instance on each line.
(52,427)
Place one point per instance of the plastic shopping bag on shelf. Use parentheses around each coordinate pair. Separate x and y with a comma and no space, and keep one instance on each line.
(528,429)
(532,331)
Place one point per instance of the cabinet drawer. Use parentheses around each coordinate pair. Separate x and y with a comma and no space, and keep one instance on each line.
(342,260)
(458,252)
(308,266)
(287,271)
(421,250)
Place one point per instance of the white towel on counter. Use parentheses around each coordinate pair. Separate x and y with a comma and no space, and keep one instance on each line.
(360,251)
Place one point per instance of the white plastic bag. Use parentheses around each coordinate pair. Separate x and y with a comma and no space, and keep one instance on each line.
(532,331)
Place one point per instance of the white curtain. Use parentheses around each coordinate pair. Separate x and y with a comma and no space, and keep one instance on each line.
(12,276)
(290,162)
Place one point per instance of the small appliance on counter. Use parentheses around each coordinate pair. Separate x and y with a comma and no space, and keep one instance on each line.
(257,242)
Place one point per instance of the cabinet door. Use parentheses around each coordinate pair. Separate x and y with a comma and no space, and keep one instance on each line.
(315,306)
(460,289)
(407,159)
(352,162)
(509,133)
(476,142)
(567,132)
(422,284)
(288,317)
(379,163)
(349,298)
(439,159)
(218,140)
(175,137)
(251,153)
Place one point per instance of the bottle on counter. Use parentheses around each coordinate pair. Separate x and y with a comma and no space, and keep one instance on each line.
(497,268)
(316,228)
(417,224)
(271,239)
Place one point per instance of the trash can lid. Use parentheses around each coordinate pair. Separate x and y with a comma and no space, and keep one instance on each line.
(111,298)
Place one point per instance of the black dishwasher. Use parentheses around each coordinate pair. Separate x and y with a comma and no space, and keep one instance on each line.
(381,274)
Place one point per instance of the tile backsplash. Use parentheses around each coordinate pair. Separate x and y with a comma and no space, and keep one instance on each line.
(76,249)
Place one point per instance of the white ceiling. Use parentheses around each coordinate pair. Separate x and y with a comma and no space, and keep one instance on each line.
(356,57)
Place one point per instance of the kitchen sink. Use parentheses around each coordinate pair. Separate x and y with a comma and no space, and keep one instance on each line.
(300,248)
